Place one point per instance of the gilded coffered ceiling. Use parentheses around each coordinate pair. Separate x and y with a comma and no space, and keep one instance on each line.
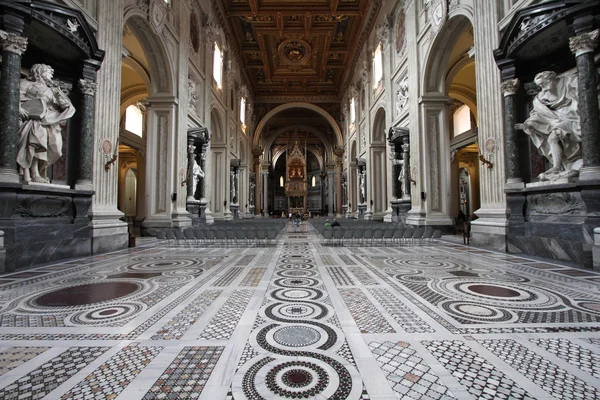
(295,50)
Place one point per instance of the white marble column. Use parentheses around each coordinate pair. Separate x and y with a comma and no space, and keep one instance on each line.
(489,230)
(109,233)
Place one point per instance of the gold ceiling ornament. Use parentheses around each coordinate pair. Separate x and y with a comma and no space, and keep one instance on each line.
(331,18)
(294,52)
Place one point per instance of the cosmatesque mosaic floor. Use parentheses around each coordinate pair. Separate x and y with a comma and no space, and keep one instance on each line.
(301,320)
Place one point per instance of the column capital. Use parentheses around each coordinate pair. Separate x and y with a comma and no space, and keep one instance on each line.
(584,43)
(13,42)
(87,87)
(509,87)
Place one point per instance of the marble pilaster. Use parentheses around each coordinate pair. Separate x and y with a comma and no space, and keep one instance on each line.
(13,46)
(489,230)
(109,232)
(583,46)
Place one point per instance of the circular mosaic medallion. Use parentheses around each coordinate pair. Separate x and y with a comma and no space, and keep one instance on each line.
(494,291)
(298,379)
(295,282)
(164,264)
(468,312)
(307,375)
(107,315)
(294,273)
(296,311)
(86,294)
(296,336)
(297,266)
(296,260)
(296,294)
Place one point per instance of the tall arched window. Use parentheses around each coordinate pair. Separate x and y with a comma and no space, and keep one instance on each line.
(281,181)
(314,181)
(134,120)
(352,111)
(218,66)
(377,66)
(462,120)
(243,112)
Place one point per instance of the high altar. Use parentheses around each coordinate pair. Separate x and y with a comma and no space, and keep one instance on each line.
(296,186)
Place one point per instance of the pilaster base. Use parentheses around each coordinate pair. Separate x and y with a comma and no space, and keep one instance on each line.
(8,176)
(589,173)
(362,209)
(181,218)
(109,233)
(490,230)
(154,224)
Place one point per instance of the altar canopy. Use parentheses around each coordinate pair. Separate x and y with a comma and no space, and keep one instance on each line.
(296,184)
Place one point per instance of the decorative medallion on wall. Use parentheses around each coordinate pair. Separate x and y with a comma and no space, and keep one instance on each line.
(194,31)
(294,52)
(400,31)
(490,145)
(158,15)
(438,11)
(107,147)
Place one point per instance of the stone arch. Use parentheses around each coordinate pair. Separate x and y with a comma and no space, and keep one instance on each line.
(378,133)
(377,174)
(271,139)
(438,55)
(263,122)
(161,74)
(310,149)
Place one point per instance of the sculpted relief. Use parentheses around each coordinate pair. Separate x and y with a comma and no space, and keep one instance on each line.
(553,124)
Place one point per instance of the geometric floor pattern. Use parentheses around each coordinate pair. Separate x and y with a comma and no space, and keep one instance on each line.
(301,320)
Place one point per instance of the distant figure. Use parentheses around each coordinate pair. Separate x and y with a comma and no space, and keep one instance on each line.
(327,224)
(335,223)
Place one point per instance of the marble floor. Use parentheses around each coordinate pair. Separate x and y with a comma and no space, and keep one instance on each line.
(301,320)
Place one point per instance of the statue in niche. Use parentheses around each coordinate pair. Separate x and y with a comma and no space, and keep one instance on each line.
(363,184)
(554,126)
(402,177)
(43,109)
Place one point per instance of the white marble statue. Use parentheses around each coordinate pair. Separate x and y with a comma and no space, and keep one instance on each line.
(554,126)
(402,177)
(363,186)
(43,109)
(198,174)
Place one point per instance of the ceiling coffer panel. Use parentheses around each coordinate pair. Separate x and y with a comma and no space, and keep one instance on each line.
(297,48)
